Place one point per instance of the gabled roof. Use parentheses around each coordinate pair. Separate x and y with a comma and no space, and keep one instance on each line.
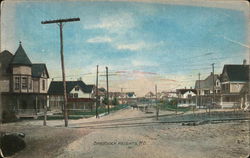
(207,83)
(183,91)
(56,87)
(5,55)
(150,94)
(38,69)
(102,89)
(130,94)
(5,58)
(20,57)
(236,72)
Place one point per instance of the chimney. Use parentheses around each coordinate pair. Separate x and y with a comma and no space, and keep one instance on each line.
(244,62)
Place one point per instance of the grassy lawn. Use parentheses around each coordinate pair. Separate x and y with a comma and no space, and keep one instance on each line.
(169,107)
(83,114)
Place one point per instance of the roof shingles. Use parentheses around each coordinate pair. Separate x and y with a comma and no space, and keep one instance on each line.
(237,72)
(56,87)
(20,57)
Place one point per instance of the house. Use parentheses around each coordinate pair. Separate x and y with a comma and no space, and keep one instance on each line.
(150,95)
(119,96)
(5,58)
(23,84)
(164,95)
(205,87)
(130,95)
(186,97)
(102,93)
(205,90)
(233,79)
(245,96)
(79,95)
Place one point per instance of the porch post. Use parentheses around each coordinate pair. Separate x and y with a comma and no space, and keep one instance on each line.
(1,107)
(45,110)
(18,106)
(246,100)
(36,104)
(221,101)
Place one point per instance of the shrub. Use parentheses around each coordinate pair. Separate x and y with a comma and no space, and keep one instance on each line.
(9,116)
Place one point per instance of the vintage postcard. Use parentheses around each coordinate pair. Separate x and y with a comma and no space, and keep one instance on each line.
(124,79)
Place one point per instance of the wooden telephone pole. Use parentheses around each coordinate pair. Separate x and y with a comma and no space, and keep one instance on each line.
(122,94)
(107,79)
(60,23)
(97,97)
(199,91)
(213,85)
(157,107)
(213,100)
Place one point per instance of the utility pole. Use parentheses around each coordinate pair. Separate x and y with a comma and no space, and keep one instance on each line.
(60,23)
(199,92)
(157,107)
(107,79)
(213,100)
(45,113)
(97,97)
(122,94)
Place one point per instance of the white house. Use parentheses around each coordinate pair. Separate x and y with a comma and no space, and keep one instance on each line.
(186,97)
(79,95)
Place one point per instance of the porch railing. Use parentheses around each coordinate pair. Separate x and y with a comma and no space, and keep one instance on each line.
(28,111)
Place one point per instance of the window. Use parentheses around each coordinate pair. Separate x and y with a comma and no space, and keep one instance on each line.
(30,83)
(71,95)
(43,85)
(24,82)
(223,87)
(17,82)
(207,91)
(228,87)
(217,83)
(75,95)
(77,88)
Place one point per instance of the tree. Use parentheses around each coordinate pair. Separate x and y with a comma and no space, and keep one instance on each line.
(115,101)
(105,101)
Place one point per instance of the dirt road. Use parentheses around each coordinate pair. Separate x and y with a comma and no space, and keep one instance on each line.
(132,133)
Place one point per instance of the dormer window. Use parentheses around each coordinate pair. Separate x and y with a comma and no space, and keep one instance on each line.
(217,83)
(76,88)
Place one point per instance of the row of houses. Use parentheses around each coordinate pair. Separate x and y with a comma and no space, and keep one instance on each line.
(230,89)
(25,88)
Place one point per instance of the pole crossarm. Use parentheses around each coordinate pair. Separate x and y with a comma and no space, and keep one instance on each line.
(60,21)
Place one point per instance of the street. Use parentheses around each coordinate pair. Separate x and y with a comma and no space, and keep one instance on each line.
(132,133)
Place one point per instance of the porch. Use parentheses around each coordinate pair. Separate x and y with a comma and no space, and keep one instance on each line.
(230,101)
(29,105)
(28,113)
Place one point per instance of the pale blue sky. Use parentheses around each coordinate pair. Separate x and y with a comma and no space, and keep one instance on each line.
(174,41)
